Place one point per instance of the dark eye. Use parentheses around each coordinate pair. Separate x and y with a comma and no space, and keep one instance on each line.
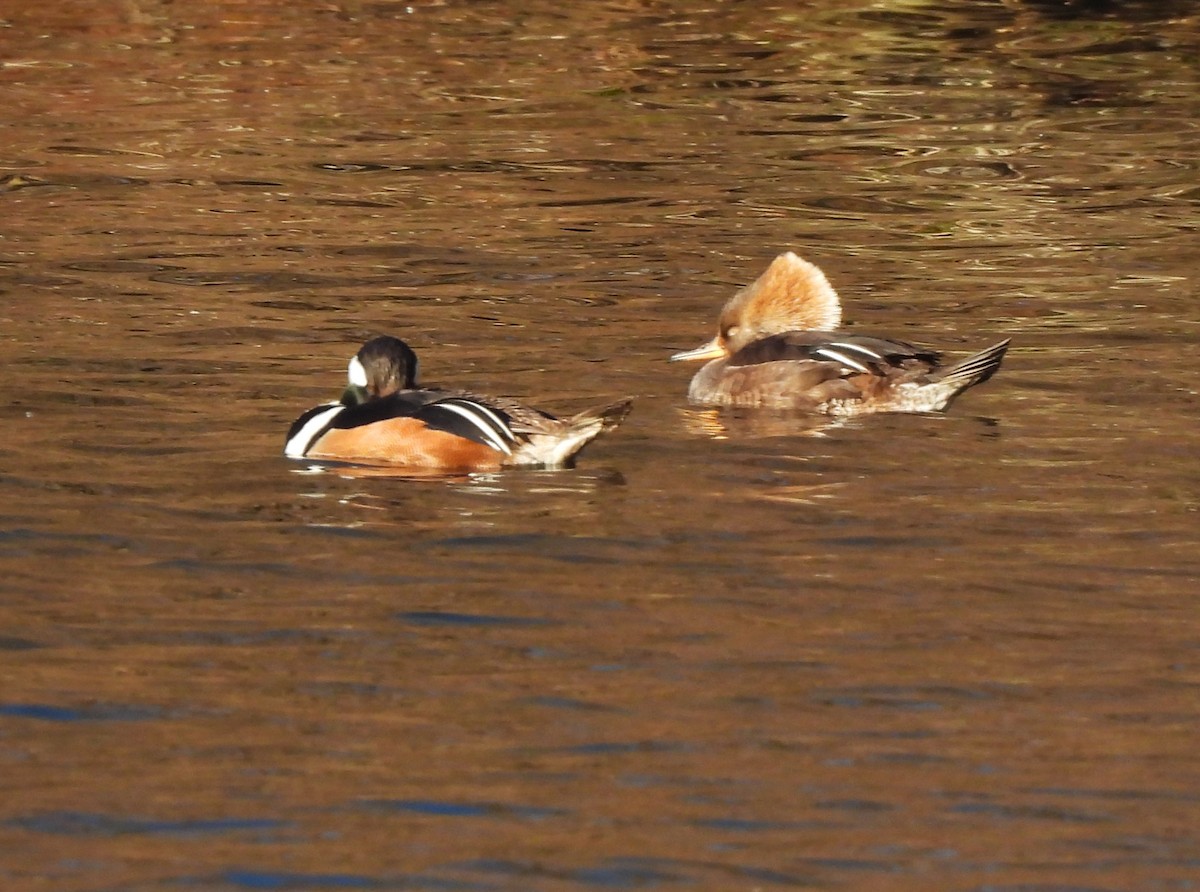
(730,332)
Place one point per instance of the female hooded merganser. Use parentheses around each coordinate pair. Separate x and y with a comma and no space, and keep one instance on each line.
(384,416)
(777,346)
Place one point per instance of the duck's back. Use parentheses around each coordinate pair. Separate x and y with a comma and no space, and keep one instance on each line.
(812,371)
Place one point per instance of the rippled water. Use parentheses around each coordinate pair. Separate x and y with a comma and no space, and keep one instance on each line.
(732,650)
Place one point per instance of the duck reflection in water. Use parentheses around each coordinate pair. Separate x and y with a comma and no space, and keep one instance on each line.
(736,424)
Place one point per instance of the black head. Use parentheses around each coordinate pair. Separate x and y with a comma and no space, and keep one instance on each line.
(383,366)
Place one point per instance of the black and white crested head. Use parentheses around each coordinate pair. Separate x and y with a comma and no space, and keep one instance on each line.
(381,367)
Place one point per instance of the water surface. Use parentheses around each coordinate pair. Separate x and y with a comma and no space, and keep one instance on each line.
(732,650)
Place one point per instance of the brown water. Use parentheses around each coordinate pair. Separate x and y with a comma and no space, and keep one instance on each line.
(732,651)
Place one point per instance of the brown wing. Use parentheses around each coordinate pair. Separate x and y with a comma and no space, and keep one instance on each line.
(800,384)
(810,370)
(860,353)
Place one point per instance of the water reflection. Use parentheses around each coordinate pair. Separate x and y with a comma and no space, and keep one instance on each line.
(750,424)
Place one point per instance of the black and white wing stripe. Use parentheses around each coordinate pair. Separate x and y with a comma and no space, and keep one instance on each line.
(861,354)
(839,351)
(309,427)
(867,354)
(461,416)
(471,419)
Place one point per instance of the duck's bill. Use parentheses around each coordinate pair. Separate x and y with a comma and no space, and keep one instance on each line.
(711,350)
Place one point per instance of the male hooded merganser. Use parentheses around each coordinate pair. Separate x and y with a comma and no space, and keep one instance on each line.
(777,346)
(384,416)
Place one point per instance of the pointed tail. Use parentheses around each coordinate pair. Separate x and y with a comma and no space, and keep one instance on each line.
(609,416)
(974,369)
(558,445)
(944,385)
